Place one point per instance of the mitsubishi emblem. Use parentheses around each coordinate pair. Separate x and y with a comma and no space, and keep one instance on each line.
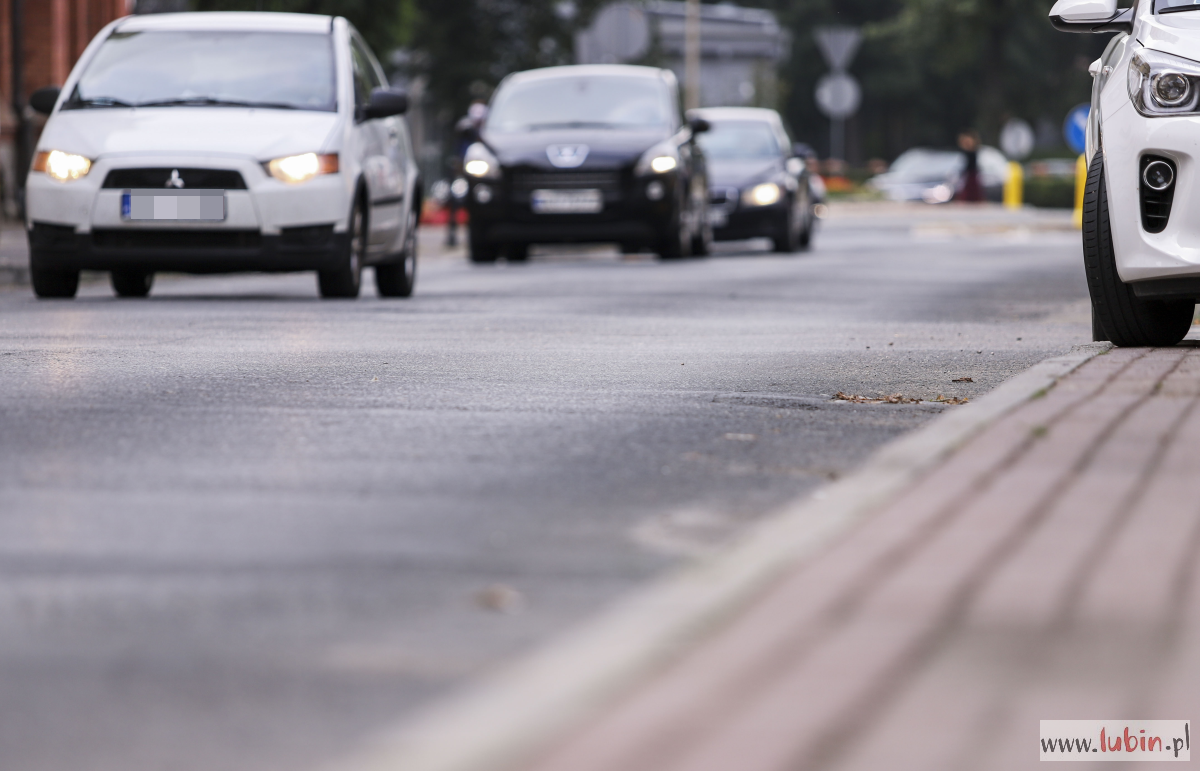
(175,181)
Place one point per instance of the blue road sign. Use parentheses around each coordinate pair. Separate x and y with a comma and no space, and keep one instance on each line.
(1075,127)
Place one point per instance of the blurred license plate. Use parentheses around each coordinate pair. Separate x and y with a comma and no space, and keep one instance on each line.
(567,201)
(173,205)
(717,218)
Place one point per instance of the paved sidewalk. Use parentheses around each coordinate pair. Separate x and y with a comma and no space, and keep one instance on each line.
(1047,570)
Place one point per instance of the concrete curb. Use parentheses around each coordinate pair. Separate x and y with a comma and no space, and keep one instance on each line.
(511,715)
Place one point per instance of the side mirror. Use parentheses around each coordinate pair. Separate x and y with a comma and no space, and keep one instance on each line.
(802,150)
(44,99)
(385,103)
(699,125)
(1090,16)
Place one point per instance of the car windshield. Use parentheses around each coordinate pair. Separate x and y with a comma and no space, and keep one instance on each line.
(583,101)
(259,69)
(1173,6)
(739,140)
(925,165)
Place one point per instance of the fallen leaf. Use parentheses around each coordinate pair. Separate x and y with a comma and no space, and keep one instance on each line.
(500,598)
(892,399)
(963,380)
(951,399)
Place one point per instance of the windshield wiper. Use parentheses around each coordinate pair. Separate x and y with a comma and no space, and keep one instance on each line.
(94,101)
(208,101)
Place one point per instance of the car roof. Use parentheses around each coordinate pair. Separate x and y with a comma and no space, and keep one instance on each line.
(572,70)
(736,113)
(232,21)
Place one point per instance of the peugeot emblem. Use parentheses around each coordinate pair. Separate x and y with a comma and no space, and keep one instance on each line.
(567,156)
(175,181)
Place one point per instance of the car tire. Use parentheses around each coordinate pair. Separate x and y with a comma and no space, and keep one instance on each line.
(481,252)
(789,240)
(52,283)
(806,235)
(702,241)
(132,283)
(517,253)
(398,279)
(1126,320)
(345,281)
(675,243)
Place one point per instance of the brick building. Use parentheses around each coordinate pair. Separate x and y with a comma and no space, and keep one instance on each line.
(40,40)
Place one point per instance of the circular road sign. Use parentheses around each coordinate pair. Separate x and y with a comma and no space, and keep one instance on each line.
(1016,139)
(838,95)
(1075,127)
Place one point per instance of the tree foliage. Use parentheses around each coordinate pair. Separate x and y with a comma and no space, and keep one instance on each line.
(932,68)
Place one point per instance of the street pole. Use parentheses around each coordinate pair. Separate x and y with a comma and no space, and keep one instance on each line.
(16,27)
(691,55)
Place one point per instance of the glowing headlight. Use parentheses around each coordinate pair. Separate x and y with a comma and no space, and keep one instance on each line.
(662,164)
(301,168)
(479,162)
(478,168)
(762,195)
(61,166)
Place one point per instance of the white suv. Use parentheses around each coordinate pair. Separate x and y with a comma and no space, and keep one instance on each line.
(218,142)
(1141,243)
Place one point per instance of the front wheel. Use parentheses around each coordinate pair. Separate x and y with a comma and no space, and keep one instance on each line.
(398,279)
(1118,314)
(676,242)
(132,283)
(49,283)
(788,240)
(345,280)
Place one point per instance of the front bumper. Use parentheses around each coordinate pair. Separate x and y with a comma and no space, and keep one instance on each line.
(743,222)
(628,214)
(1175,252)
(268,225)
(193,250)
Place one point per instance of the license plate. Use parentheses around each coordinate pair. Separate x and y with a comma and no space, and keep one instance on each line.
(173,205)
(567,201)
(717,218)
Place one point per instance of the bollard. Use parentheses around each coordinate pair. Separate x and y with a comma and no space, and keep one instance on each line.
(1014,186)
(1081,170)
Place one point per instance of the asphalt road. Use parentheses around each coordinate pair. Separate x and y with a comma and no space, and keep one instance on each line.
(242,528)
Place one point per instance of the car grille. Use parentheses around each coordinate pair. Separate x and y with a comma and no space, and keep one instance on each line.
(606,181)
(176,239)
(211,179)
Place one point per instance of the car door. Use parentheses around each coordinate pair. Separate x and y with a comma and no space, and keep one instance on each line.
(382,164)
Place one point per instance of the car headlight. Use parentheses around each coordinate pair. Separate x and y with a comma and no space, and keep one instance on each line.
(479,162)
(660,159)
(762,195)
(61,166)
(294,169)
(1161,84)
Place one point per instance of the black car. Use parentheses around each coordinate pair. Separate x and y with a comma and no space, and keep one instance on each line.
(590,153)
(758,186)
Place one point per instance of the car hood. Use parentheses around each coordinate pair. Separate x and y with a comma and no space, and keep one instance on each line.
(741,173)
(607,149)
(1172,33)
(260,134)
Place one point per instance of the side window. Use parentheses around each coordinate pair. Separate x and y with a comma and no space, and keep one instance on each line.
(365,77)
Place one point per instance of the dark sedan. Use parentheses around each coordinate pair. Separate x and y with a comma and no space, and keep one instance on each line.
(758,187)
(596,153)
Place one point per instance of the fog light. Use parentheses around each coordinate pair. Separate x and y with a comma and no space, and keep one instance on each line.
(1158,175)
(483,194)
(655,191)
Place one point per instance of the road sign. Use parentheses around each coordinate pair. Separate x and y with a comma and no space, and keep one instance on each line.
(838,45)
(1075,127)
(1016,139)
(838,95)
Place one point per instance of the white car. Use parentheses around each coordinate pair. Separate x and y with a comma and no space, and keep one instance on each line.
(219,142)
(1141,245)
